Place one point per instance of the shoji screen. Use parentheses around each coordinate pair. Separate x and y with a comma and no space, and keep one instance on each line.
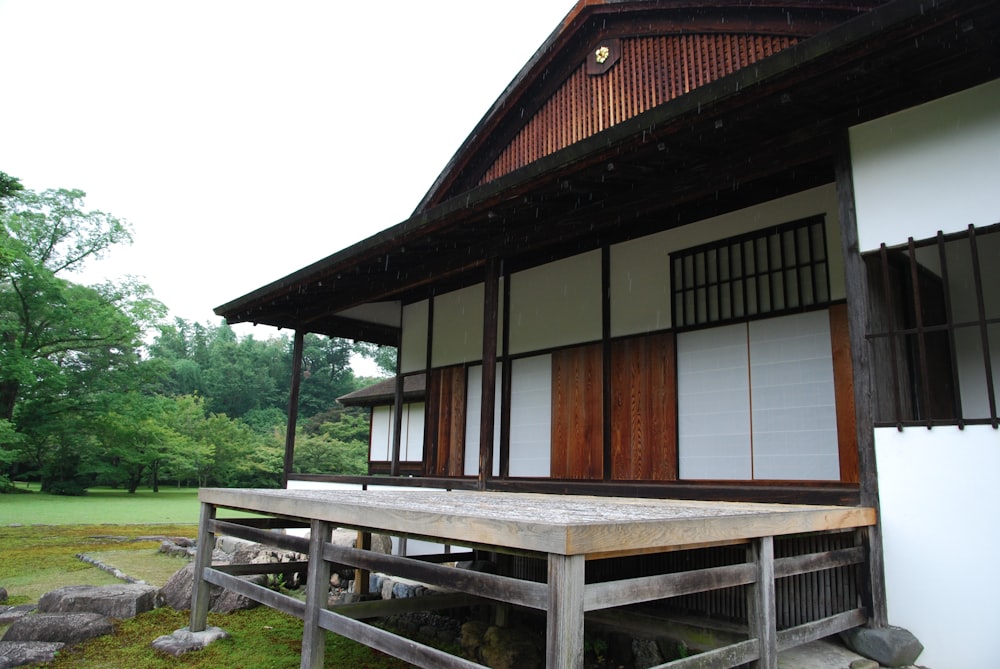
(713,404)
(473,415)
(531,416)
(794,413)
(756,400)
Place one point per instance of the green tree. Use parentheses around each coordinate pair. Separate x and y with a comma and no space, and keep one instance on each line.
(63,346)
(326,372)
(9,186)
(241,374)
(133,442)
(383,356)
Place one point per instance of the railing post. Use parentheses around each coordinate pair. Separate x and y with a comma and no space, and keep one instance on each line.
(564,619)
(761,612)
(317,594)
(200,593)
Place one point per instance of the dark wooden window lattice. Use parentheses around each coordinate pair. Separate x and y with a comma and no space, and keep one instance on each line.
(934,329)
(768,272)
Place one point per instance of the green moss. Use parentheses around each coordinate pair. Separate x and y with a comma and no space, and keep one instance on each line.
(40,558)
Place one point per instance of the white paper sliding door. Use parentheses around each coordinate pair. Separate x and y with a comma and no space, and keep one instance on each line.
(381,439)
(531,416)
(473,417)
(794,407)
(713,404)
(411,446)
(756,401)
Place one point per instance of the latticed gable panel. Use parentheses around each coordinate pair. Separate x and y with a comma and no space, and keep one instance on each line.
(651,71)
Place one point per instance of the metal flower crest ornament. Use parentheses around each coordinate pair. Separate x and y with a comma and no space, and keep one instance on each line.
(602,54)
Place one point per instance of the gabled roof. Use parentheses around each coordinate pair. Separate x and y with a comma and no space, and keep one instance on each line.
(751,135)
(656,51)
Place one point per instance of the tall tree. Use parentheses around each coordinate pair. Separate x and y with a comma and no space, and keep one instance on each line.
(62,342)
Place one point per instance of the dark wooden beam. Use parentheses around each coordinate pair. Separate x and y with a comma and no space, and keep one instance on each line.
(487,419)
(397,416)
(856,290)
(293,407)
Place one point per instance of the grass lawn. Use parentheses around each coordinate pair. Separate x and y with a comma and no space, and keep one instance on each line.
(102,506)
(41,535)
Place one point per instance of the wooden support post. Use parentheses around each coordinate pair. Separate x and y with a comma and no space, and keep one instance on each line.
(487,421)
(397,424)
(317,594)
(293,406)
(362,577)
(606,404)
(564,641)
(761,611)
(856,291)
(202,560)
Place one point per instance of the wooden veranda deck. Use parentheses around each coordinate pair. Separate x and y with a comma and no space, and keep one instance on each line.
(565,530)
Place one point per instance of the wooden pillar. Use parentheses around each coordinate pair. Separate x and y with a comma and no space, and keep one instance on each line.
(856,290)
(203,560)
(397,413)
(487,420)
(761,611)
(608,456)
(507,379)
(432,413)
(317,593)
(293,406)
(564,622)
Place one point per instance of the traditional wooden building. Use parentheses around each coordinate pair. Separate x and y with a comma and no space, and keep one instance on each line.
(723,251)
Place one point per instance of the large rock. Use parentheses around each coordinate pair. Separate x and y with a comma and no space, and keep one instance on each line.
(68,628)
(184,640)
(20,653)
(115,601)
(889,646)
(9,614)
(177,593)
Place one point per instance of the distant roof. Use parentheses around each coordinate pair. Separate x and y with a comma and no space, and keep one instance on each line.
(384,392)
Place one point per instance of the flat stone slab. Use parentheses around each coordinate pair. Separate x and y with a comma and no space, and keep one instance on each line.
(68,628)
(20,653)
(822,654)
(184,640)
(115,601)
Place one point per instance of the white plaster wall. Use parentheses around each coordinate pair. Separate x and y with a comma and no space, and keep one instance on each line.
(933,167)
(413,345)
(556,304)
(940,503)
(458,327)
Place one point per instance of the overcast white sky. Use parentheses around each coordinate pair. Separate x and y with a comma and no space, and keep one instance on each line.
(245,139)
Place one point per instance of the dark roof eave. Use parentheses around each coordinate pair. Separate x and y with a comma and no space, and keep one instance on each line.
(698,105)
